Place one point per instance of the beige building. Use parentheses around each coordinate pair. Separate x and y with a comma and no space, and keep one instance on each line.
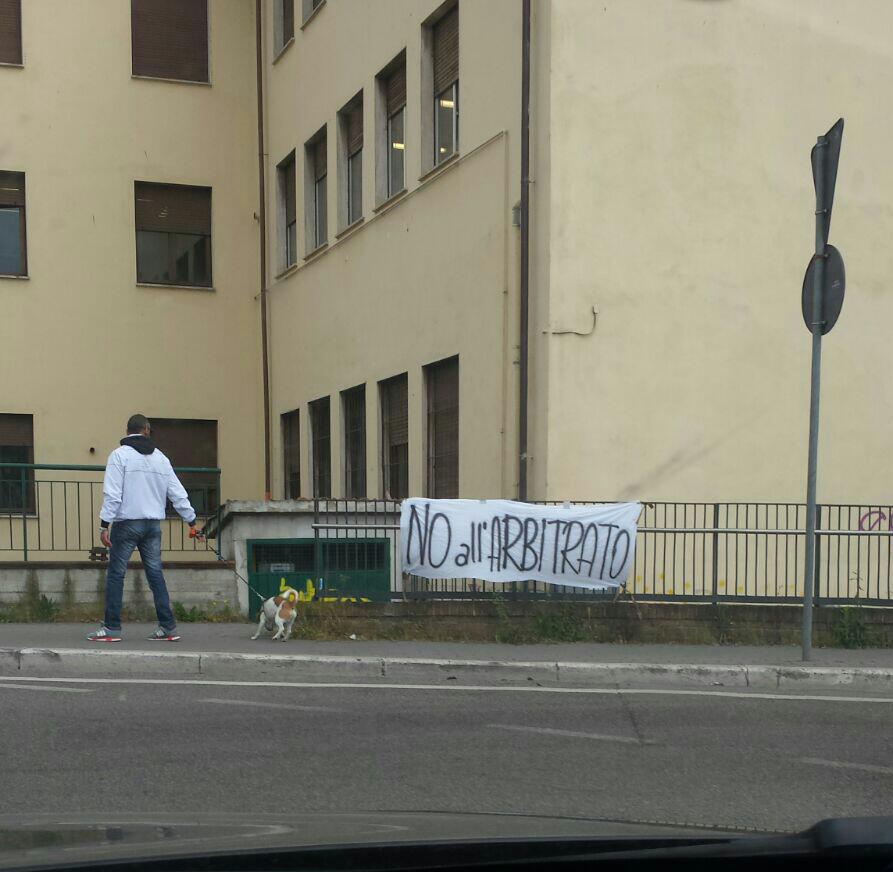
(128,244)
(670,223)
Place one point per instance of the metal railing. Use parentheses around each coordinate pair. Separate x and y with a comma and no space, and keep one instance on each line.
(53,509)
(685,551)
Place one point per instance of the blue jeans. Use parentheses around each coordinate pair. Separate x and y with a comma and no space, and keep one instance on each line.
(146,536)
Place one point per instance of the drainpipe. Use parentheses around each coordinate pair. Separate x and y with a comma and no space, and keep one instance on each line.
(525,250)
(262,220)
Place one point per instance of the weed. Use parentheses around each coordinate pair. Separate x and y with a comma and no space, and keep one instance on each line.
(563,626)
(850,629)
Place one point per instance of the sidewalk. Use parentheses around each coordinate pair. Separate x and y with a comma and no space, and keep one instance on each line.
(236,639)
(225,652)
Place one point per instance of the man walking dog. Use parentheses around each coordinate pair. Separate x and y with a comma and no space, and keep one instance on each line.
(139,480)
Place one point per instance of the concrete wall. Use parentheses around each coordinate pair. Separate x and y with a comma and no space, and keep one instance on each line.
(682,208)
(430,276)
(245,520)
(82,345)
(207,587)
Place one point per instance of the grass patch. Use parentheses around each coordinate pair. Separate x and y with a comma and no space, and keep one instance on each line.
(41,609)
(850,629)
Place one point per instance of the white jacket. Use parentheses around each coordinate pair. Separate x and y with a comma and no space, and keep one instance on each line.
(136,487)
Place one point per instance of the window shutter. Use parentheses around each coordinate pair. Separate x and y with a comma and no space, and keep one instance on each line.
(169,39)
(12,189)
(186,442)
(10,31)
(17,430)
(291,453)
(443,430)
(397,411)
(290,193)
(319,158)
(288,20)
(355,128)
(396,90)
(173,208)
(446,51)
(320,425)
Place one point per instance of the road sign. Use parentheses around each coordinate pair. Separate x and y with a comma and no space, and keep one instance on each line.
(833,287)
(822,298)
(824,173)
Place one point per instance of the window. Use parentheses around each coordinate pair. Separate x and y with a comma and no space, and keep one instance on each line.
(315,187)
(309,7)
(284,23)
(353,406)
(16,446)
(442,383)
(321,439)
(13,259)
(392,96)
(288,220)
(190,442)
(11,32)
(291,454)
(393,394)
(350,156)
(173,234)
(446,85)
(169,39)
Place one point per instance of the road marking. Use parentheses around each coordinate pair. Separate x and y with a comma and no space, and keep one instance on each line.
(274,705)
(470,688)
(38,687)
(837,764)
(572,734)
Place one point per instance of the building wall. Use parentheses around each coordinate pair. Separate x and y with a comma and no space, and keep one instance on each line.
(680,137)
(82,346)
(433,274)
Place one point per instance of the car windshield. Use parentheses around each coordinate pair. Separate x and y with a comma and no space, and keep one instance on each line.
(442,419)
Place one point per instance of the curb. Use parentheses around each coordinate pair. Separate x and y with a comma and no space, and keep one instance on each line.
(71,662)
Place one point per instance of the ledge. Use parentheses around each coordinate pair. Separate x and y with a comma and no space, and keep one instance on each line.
(311,255)
(283,50)
(350,228)
(453,158)
(390,200)
(169,81)
(210,288)
(312,15)
(286,272)
(14,277)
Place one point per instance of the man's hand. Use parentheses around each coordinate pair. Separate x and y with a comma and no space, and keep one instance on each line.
(104,538)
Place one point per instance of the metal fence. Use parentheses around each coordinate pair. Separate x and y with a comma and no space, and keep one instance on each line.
(685,551)
(52,510)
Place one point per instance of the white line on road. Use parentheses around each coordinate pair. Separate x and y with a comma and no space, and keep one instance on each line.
(471,688)
(573,734)
(838,764)
(274,705)
(38,687)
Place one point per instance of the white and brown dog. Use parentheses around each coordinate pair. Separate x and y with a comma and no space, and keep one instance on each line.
(278,613)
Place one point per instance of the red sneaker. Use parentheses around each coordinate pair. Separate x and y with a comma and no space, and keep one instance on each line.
(103,634)
(163,636)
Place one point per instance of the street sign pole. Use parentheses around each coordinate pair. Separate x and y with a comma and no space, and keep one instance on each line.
(822,298)
(814,394)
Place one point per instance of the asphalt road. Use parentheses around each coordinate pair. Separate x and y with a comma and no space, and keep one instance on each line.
(743,760)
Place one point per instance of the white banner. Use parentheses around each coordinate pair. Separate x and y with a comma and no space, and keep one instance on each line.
(500,540)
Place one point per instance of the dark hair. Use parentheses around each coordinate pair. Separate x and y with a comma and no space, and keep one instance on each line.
(137,423)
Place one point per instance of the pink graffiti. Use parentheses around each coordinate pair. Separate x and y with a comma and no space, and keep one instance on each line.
(873,519)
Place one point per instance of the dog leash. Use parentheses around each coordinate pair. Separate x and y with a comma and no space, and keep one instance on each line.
(244,581)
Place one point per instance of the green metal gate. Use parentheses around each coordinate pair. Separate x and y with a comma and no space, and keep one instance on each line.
(326,570)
